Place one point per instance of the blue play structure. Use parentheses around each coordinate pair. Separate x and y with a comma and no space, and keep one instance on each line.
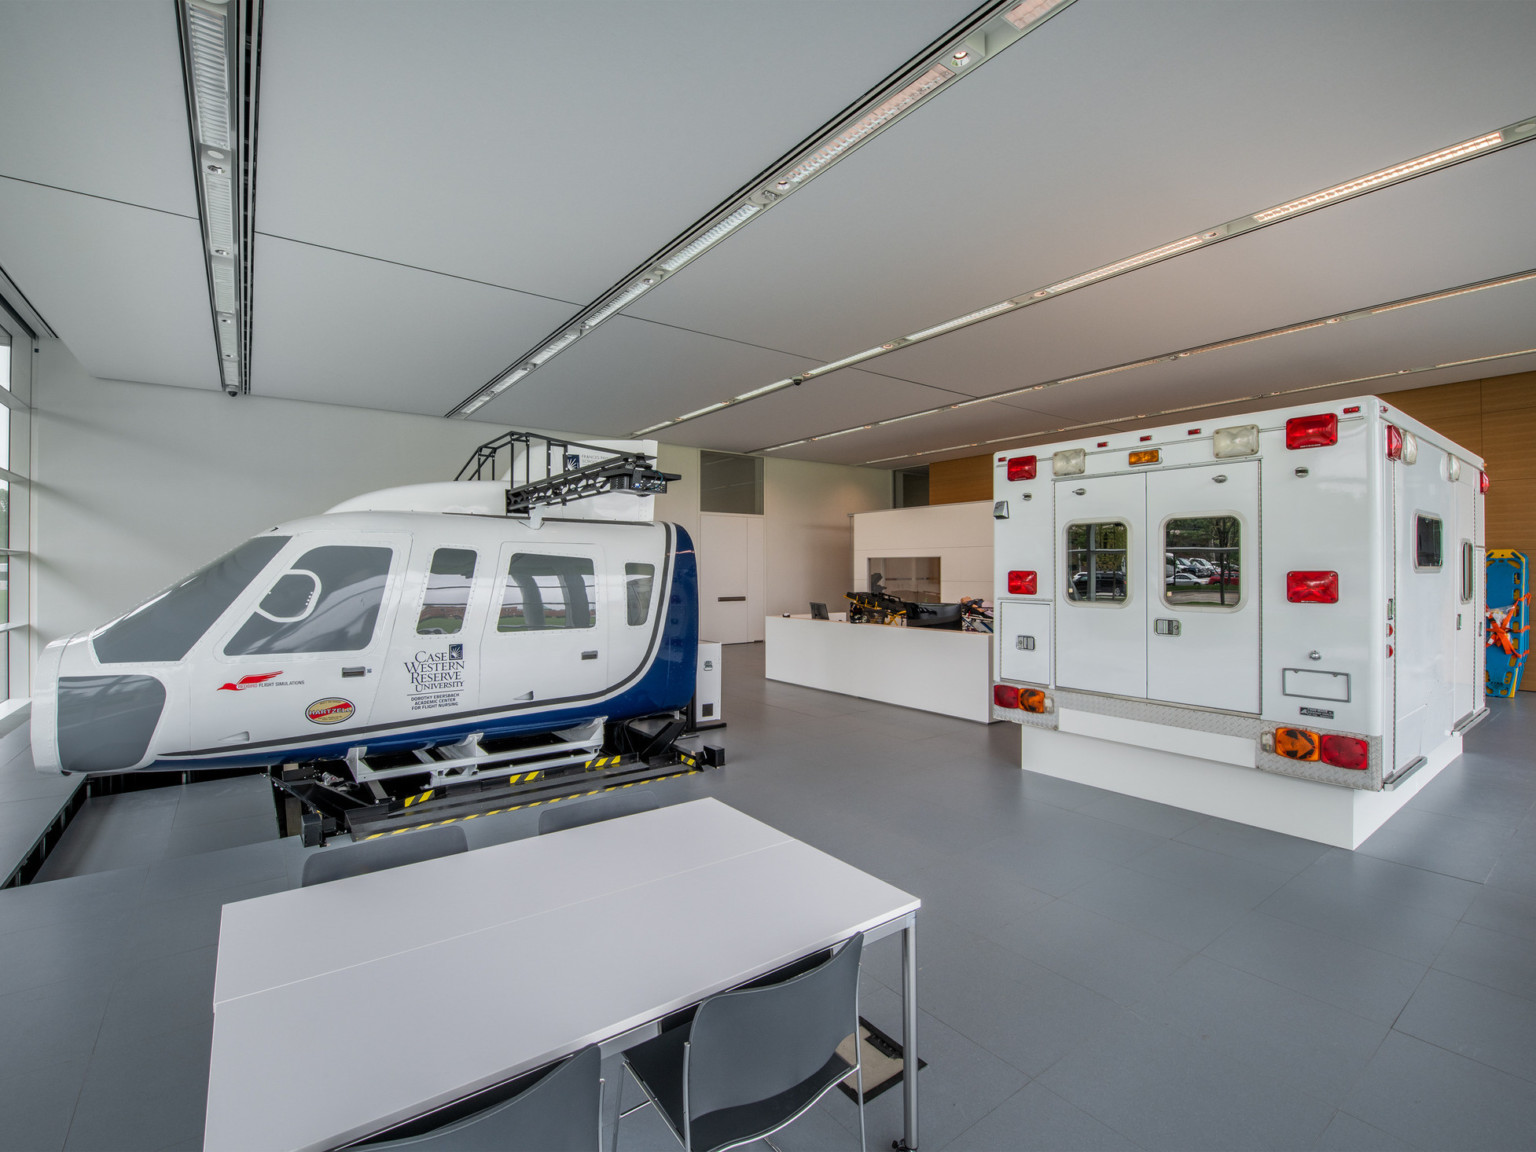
(1509,636)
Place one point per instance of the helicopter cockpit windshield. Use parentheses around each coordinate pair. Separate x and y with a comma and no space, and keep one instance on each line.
(166,627)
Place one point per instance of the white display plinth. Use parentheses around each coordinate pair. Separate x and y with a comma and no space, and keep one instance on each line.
(932,669)
(1343,817)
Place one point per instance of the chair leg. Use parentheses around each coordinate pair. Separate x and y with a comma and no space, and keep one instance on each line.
(859,1069)
(772,1145)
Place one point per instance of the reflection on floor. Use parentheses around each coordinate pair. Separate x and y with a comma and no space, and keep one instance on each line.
(1097,972)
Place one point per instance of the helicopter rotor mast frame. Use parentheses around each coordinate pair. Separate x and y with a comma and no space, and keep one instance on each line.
(565,478)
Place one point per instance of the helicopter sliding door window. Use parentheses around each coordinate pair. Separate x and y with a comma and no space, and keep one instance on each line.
(447,595)
(327,602)
(1096,557)
(547,592)
(1200,562)
(638,581)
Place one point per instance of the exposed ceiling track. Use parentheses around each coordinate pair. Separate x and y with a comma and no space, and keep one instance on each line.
(1164,357)
(221,63)
(1028,438)
(1436,161)
(965,47)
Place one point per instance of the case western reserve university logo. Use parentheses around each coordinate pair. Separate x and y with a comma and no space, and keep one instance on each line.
(437,678)
(331,710)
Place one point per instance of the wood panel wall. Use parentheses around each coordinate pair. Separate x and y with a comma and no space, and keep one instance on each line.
(1496,418)
(959,481)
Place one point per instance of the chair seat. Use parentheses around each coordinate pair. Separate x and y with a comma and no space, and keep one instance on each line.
(658,1064)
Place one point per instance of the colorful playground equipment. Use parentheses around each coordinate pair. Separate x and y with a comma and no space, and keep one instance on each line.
(1509,636)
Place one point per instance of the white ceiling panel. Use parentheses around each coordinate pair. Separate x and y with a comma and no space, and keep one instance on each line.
(630,373)
(340,329)
(94,100)
(548,146)
(1439,231)
(842,399)
(124,287)
(1112,129)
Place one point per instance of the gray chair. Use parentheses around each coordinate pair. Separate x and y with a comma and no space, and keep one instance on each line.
(560,1113)
(385,852)
(605,806)
(753,1060)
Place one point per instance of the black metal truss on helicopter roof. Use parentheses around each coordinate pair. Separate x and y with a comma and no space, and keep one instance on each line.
(620,471)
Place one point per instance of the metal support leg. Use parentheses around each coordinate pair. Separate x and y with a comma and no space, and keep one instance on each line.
(909,1032)
(613,1094)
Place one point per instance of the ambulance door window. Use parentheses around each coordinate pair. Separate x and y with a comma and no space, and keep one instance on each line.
(1428,551)
(1202,562)
(327,602)
(1096,558)
(638,581)
(548,592)
(447,595)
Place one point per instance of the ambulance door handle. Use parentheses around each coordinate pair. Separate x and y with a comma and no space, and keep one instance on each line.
(1167,627)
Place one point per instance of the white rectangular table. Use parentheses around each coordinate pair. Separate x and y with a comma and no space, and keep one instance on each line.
(347,1007)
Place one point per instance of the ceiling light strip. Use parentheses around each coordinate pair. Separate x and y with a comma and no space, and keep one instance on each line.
(1036,437)
(220,47)
(1186,353)
(980,37)
(1514,134)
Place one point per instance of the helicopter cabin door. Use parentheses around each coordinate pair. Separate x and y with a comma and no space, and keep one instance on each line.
(442,613)
(300,654)
(547,632)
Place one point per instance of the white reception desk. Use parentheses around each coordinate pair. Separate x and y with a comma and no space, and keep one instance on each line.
(932,669)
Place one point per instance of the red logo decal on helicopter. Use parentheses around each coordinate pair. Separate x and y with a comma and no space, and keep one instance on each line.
(248,681)
(331,710)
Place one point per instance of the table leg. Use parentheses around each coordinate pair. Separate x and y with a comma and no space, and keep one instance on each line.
(909,1031)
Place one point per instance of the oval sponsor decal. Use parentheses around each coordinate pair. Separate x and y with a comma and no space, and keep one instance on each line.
(331,710)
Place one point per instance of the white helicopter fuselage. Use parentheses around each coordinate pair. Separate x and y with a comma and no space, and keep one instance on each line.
(392,630)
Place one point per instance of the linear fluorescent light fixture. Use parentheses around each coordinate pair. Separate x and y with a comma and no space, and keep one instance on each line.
(219,70)
(980,37)
(1514,134)
(1323,322)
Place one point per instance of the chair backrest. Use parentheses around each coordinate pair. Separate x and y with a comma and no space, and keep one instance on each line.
(561,1113)
(604,806)
(386,852)
(750,1045)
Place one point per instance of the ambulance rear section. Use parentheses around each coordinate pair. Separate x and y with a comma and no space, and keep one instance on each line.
(1299,592)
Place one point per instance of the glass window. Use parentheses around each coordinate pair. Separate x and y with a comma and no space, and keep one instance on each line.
(442,608)
(1201,562)
(638,580)
(544,592)
(1096,556)
(730,483)
(337,590)
(1428,552)
(166,627)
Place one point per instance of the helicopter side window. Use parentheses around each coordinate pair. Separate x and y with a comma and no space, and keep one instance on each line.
(545,592)
(166,627)
(327,602)
(638,581)
(442,608)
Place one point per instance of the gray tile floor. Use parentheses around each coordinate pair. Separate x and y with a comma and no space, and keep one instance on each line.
(1097,972)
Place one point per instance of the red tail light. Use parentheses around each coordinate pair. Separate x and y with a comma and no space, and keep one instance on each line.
(1005,695)
(1482,483)
(1312,587)
(1312,431)
(1021,468)
(1394,442)
(1345,752)
(1022,583)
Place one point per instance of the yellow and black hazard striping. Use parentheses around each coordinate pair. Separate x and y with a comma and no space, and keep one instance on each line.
(421,798)
(602,762)
(523,777)
(529,804)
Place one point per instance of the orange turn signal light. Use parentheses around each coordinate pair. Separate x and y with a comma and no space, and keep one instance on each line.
(1146,456)
(1031,699)
(1296,744)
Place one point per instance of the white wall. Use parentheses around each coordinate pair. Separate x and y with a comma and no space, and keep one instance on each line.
(808,533)
(137,485)
(960,535)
